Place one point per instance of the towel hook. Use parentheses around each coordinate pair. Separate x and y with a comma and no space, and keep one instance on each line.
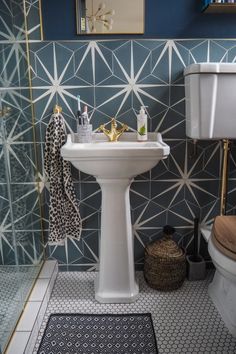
(57,109)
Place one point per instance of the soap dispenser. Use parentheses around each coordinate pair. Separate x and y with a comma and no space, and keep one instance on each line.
(142,124)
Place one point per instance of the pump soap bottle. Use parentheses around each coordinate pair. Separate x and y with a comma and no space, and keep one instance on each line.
(142,125)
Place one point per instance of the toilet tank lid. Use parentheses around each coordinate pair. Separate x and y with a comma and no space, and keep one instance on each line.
(210,68)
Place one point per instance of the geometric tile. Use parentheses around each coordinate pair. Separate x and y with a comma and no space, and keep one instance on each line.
(114,78)
(185,321)
(20,225)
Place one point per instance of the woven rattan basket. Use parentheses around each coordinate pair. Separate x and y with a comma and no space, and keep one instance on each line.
(164,265)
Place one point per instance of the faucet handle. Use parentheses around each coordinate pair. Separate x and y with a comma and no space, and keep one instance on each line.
(100,128)
(125,127)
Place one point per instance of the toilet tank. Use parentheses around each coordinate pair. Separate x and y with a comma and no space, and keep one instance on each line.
(210,92)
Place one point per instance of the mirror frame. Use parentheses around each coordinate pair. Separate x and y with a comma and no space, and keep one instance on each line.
(81,17)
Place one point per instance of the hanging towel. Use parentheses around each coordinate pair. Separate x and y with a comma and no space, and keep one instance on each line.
(64,216)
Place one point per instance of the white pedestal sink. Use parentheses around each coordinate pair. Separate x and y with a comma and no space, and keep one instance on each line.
(114,164)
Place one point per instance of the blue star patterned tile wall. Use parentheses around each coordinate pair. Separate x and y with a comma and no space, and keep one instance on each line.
(114,78)
(12,20)
(23,227)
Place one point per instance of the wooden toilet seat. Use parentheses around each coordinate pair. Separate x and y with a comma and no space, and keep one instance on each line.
(224,235)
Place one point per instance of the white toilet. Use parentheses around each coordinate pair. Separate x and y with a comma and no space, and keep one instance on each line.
(222,249)
(210,90)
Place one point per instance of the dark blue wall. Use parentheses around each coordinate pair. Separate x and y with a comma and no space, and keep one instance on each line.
(163,19)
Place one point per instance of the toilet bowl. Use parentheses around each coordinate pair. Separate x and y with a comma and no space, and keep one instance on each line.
(222,249)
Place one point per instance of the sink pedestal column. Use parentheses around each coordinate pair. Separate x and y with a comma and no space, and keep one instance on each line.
(116,282)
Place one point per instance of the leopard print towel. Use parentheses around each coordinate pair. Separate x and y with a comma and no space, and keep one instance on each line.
(64,216)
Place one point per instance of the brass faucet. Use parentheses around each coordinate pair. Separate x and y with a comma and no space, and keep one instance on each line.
(114,133)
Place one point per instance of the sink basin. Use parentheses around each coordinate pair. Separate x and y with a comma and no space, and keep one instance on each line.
(114,164)
(125,158)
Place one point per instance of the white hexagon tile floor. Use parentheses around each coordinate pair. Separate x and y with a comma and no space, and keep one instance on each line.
(185,320)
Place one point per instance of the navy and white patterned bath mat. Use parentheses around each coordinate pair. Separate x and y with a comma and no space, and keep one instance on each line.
(99,334)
